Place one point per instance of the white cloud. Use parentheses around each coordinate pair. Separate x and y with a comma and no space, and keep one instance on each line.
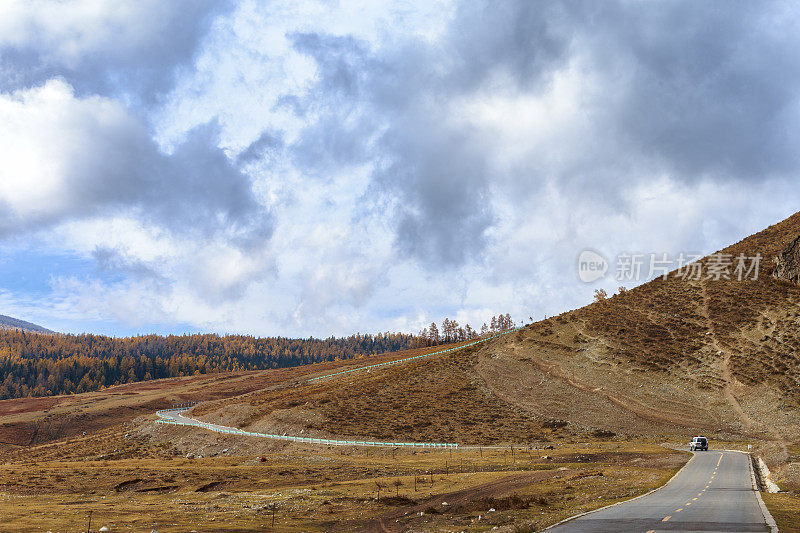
(129,50)
(48,140)
(69,31)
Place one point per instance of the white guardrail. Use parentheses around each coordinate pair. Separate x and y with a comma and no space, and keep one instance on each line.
(165,418)
(455,349)
(310,440)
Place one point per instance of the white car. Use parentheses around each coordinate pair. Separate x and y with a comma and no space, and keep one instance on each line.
(698,443)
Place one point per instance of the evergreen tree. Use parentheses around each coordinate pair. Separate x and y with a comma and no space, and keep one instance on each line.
(434,333)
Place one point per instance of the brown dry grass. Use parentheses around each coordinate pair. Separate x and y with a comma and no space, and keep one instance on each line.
(432,400)
(670,357)
(718,357)
(785,509)
(735,339)
(314,489)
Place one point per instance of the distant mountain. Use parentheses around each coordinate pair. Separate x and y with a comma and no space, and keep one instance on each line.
(7,322)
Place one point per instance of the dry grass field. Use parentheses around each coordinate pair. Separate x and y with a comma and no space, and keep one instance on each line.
(134,484)
(785,509)
(431,400)
(134,475)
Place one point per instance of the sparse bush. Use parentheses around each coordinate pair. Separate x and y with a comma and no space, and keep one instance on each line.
(600,295)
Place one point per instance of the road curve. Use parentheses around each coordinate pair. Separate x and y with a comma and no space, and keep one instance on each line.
(713,492)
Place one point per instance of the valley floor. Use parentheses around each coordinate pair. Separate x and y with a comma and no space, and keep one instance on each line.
(72,456)
(133,484)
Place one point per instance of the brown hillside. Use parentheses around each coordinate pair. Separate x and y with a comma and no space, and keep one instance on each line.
(707,355)
(38,420)
(440,399)
(669,357)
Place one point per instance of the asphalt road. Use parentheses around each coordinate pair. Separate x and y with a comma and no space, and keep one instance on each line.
(712,493)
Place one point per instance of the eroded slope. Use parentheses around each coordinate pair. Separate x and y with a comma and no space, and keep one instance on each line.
(718,356)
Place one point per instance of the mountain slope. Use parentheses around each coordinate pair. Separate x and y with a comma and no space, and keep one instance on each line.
(712,355)
(7,322)
(670,357)
(37,420)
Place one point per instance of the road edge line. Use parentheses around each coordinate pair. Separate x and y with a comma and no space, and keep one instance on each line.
(569,519)
(768,518)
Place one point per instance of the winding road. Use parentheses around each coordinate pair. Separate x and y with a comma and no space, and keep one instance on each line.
(713,492)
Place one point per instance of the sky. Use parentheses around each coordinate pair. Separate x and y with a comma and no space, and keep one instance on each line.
(304,168)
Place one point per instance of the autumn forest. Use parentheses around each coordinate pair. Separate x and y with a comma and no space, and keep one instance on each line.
(36,364)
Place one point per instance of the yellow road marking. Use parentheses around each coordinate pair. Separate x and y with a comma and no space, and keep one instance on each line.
(699,494)
(720,458)
(651,531)
(688,503)
(666,518)
(694,499)
(679,510)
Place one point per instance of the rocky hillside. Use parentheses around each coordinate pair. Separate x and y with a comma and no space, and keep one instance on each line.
(7,322)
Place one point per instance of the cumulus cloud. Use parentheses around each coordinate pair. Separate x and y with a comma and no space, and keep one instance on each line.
(67,157)
(369,109)
(266,146)
(102,46)
(693,96)
(651,91)
(118,261)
